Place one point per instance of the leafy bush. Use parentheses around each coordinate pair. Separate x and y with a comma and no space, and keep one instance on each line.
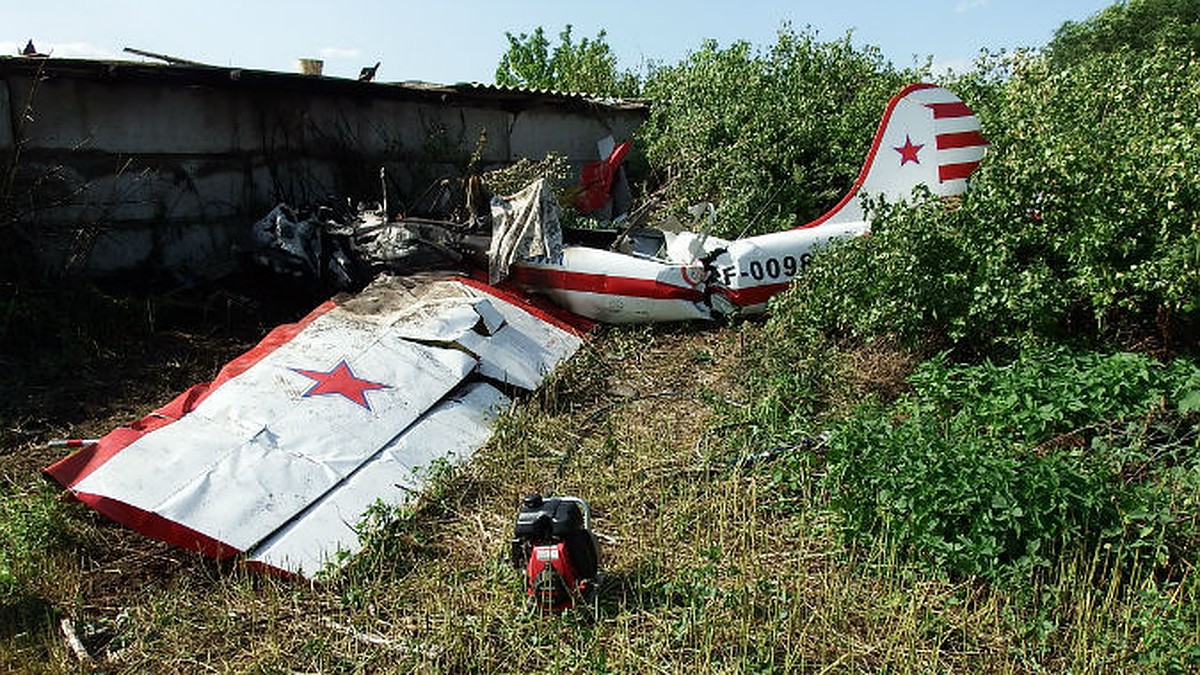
(912,279)
(1080,225)
(1134,25)
(588,66)
(783,131)
(994,471)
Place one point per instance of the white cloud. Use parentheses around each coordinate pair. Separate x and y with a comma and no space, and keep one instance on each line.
(942,67)
(968,5)
(78,50)
(334,53)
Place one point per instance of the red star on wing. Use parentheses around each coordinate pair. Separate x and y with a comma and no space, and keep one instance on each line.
(340,380)
(908,151)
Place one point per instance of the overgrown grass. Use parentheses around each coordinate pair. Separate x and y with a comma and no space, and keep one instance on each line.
(710,563)
(34,527)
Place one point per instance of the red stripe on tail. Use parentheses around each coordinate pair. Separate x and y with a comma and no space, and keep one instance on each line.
(961,139)
(946,110)
(956,171)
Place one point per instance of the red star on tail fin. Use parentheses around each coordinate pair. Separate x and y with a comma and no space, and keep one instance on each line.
(908,151)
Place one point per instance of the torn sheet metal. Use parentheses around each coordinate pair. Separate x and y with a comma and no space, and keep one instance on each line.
(252,462)
(524,226)
(513,345)
(525,349)
(327,530)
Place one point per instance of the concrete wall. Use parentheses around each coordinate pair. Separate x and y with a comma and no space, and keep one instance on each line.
(6,120)
(122,167)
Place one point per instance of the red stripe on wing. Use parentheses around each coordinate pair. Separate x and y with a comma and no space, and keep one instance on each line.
(158,527)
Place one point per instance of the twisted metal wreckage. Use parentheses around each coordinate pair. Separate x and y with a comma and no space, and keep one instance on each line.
(283,453)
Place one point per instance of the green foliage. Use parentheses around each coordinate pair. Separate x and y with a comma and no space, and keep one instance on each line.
(31,525)
(795,373)
(511,179)
(1165,621)
(1081,223)
(1099,156)
(784,129)
(1135,26)
(911,279)
(588,66)
(996,471)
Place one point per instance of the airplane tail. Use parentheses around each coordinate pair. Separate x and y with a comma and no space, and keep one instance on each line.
(929,137)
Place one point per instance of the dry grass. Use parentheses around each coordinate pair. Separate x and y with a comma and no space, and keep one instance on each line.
(706,569)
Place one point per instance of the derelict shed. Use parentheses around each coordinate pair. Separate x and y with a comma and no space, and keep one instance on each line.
(121,166)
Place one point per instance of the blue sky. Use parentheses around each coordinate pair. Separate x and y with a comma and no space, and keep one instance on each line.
(446,41)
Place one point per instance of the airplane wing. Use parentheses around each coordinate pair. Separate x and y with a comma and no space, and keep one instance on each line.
(282,454)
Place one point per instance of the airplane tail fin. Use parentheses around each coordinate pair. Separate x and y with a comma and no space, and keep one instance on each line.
(929,137)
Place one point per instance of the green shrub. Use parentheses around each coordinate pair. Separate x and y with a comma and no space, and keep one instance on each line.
(1079,226)
(782,131)
(588,66)
(995,471)
(1132,25)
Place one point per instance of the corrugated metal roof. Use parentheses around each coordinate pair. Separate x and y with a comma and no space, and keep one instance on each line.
(481,87)
(244,77)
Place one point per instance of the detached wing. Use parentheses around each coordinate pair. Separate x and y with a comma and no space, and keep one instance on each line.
(283,453)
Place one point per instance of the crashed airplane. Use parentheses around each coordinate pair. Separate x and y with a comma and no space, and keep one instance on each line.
(928,137)
(281,456)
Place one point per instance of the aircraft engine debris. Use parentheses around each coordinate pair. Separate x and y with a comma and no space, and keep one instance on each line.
(553,543)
